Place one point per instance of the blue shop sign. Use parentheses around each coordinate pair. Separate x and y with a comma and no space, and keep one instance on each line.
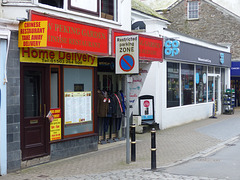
(235,69)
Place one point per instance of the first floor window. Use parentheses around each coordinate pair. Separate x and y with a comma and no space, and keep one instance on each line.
(187,90)
(193,10)
(172,84)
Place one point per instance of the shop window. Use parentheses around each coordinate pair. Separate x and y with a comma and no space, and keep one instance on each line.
(223,87)
(210,69)
(201,84)
(187,90)
(54,3)
(55,88)
(210,88)
(78,101)
(172,84)
(193,10)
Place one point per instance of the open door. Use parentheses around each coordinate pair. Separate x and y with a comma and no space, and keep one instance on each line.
(34,106)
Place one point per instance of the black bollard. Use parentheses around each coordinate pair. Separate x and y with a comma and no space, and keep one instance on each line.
(133,143)
(153,148)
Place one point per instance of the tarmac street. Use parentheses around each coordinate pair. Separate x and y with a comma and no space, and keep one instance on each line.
(178,150)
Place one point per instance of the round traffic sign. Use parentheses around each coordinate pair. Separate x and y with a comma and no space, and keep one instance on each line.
(146,103)
(126,62)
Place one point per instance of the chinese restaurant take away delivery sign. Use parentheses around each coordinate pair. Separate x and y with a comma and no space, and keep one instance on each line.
(32,34)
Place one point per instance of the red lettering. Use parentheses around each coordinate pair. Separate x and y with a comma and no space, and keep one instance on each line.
(34,53)
(84,57)
(68,56)
(26,51)
(52,55)
(61,55)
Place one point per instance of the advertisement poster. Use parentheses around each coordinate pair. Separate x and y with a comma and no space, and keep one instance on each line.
(146,109)
(78,106)
(55,125)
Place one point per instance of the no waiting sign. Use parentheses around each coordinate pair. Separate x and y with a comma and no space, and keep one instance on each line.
(127,55)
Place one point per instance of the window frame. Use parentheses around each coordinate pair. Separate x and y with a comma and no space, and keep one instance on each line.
(190,12)
(77,135)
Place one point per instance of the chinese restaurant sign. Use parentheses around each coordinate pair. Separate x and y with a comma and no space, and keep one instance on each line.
(55,125)
(32,34)
(32,55)
(66,34)
(150,48)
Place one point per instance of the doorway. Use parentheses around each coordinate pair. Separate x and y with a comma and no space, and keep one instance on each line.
(34,106)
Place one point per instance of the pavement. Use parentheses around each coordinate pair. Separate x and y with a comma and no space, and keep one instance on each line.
(174,146)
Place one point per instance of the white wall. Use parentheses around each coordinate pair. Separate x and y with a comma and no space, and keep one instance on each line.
(18,9)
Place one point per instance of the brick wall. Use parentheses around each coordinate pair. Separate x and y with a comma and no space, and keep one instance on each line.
(214,25)
(13,105)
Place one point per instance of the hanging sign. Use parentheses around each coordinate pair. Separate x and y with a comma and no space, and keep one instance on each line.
(32,34)
(127,55)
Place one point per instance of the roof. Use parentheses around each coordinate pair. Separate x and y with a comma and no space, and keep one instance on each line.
(159,4)
(141,7)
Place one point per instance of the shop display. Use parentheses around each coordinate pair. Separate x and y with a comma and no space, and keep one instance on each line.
(229,101)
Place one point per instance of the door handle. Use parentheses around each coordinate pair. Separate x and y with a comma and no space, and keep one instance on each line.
(45,110)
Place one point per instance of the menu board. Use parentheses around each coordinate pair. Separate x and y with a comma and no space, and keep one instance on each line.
(78,106)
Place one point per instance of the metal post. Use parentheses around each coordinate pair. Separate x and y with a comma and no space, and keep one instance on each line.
(127,122)
(133,143)
(153,148)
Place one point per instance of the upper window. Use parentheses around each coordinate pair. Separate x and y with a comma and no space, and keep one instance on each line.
(106,9)
(193,10)
(54,3)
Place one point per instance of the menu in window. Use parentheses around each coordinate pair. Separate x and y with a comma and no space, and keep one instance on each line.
(77,107)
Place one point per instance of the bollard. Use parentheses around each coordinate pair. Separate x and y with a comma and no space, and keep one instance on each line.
(133,143)
(153,148)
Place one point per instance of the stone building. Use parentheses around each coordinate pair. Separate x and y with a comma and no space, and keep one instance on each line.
(212,23)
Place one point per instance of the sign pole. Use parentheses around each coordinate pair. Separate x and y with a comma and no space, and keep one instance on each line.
(127,123)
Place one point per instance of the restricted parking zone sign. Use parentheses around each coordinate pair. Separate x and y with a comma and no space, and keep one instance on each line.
(127,55)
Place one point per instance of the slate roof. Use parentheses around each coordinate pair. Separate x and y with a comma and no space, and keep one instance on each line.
(141,7)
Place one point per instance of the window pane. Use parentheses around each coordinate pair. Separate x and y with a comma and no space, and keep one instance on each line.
(210,88)
(58,3)
(187,77)
(210,69)
(201,84)
(78,91)
(32,93)
(193,9)
(107,9)
(54,88)
(172,84)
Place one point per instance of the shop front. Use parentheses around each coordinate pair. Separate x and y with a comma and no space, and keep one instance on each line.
(196,78)
(143,88)
(58,89)
(235,81)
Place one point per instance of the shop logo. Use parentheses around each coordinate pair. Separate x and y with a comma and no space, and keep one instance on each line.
(221,58)
(171,47)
